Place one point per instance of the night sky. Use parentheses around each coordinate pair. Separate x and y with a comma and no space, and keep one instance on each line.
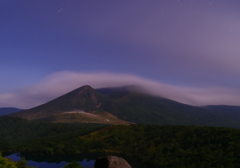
(186,50)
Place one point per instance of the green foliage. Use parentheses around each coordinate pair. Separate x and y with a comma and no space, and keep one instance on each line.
(154,145)
(17,134)
(7,163)
(73,164)
(170,146)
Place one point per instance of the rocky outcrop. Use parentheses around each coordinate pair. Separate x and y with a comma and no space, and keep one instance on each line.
(111,162)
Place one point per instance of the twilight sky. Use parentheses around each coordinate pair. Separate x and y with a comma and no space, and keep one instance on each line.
(186,50)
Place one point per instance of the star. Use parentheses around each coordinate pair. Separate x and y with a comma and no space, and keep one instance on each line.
(60,10)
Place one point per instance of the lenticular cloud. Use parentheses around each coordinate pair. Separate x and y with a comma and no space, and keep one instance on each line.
(60,83)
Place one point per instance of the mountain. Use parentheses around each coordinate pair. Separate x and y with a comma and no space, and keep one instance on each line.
(127,105)
(81,105)
(8,110)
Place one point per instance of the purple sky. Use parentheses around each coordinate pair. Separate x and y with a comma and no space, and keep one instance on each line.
(187,50)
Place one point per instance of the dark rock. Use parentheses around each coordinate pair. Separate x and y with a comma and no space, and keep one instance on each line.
(111,162)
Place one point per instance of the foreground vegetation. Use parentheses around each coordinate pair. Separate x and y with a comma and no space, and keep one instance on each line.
(170,146)
(17,134)
(7,163)
(156,146)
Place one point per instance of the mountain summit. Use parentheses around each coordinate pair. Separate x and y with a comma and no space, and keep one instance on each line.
(121,105)
(84,98)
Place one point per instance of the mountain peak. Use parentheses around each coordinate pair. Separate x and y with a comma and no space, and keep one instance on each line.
(86,104)
(86,87)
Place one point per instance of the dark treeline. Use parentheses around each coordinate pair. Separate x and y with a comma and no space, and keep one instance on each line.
(156,146)
(170,146)
(17,134)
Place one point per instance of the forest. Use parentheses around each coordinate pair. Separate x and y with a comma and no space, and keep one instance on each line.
(154,145)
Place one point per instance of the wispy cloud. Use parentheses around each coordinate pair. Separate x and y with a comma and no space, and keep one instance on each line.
(190,40)
(184,43)
(60,83)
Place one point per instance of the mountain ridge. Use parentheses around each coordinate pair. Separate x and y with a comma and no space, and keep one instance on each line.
(66,102)
(8,110)
(132,106)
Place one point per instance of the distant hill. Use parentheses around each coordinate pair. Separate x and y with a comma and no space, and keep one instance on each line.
(8,110)
(224,108)
(126,105)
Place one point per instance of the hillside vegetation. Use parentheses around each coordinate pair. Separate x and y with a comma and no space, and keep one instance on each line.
(7,163)
(154,145)
(17,134)
(169,146)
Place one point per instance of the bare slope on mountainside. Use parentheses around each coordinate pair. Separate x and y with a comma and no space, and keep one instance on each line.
(84,117)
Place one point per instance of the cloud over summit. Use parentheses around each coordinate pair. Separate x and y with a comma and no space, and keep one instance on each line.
(62,82)
(187,50)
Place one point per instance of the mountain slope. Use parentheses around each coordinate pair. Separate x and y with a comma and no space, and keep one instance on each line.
(127,104)
(84,98)
(146,109)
